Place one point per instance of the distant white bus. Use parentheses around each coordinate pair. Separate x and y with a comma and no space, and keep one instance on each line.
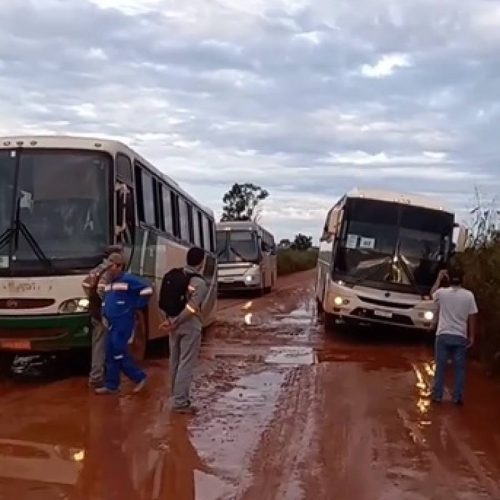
(380,254)
(246,254)
(63,200)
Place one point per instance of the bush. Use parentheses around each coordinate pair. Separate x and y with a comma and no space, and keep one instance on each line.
(482,276)
(292,261)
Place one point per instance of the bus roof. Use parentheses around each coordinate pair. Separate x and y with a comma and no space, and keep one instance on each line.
(91,144)
(241,226)
(398,197)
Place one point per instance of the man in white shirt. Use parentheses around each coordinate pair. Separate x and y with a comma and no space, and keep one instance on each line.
(456,331)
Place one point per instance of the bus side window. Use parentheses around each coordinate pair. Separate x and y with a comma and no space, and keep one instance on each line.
(125,214)
(201,235)
(124,201)
(184,220)
(212,236)
(176,215)
(158,205)
(145,195)
(168,220)
(197,232)
(206,233)
(190,221)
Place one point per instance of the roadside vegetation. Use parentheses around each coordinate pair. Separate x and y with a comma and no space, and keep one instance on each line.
(482,276)
(293,261)
(481,264)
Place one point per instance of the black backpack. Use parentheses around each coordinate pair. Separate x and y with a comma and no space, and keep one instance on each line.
(174,291)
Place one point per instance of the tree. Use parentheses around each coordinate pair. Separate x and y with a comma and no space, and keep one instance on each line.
(240,202)
(285,243)
(302,242)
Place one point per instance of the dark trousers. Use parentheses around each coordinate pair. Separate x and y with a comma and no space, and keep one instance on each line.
(454,347)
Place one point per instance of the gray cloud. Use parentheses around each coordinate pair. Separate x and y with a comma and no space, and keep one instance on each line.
(307,97)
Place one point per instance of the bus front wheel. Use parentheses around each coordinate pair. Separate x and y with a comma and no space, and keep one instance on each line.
(330,321)
(139,345)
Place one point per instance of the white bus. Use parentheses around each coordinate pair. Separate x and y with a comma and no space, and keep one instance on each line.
(63,200)
(380,254)
(246,254)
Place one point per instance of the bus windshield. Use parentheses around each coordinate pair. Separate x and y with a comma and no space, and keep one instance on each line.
(61,207)
(237,246)
(393,244)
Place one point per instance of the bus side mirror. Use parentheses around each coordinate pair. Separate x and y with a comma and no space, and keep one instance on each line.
(461,236)
(333,226)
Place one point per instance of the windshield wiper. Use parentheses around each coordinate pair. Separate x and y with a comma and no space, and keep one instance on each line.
(20,227)
(237,254)
(370,273)
(37,250)
(6,236)
(407,271)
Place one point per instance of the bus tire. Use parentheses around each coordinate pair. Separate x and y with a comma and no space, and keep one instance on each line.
(319,307)
(330,321)
(6,360)
(139,346)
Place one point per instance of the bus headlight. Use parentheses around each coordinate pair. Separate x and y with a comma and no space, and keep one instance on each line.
(338,301)
(72,306)
(428,315)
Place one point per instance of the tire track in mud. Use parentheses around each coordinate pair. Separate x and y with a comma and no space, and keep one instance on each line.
(279,463)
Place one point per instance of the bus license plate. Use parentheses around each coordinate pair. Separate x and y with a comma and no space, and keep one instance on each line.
(382,314)
(16,345)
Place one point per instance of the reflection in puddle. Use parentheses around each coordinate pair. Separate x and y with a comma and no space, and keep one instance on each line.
(27,460)
(248,318)
(247,306)
(291,355)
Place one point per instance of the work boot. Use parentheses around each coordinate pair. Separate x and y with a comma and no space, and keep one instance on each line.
(139,386)
(104,391)
(95,384)
(185,410)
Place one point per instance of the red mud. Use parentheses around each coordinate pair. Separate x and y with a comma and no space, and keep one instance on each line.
(286,412)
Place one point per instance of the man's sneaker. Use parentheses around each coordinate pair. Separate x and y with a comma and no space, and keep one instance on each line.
(103,391)
(185,410)
(140,386)
(94,384)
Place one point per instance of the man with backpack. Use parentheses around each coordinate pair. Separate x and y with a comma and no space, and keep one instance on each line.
(182,294)
(93,286)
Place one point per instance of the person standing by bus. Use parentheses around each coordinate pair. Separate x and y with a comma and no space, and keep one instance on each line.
(456,330)
(124,295)
(94,285)
(182,294)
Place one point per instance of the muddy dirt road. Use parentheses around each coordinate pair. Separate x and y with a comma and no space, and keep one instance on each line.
(286,413)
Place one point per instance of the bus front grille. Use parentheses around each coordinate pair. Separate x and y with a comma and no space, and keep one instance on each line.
(15,303)
(367,314)
(42,333)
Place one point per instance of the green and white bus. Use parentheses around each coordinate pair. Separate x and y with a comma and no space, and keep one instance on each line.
(63,200)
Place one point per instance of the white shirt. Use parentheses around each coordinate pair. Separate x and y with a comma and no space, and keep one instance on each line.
(456,304)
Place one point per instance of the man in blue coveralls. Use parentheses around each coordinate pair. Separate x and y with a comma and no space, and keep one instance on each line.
(123,296)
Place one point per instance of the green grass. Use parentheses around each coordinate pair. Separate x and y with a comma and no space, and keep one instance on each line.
(294,261)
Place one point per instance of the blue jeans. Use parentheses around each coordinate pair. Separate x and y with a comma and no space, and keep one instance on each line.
(117,357)
(454,347)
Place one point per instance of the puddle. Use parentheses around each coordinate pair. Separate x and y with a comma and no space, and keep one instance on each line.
(291,355)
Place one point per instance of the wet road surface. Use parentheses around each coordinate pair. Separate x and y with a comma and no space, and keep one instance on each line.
(285,413)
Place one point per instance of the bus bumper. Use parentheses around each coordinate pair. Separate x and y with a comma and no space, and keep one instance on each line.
(44,333)
(347,305)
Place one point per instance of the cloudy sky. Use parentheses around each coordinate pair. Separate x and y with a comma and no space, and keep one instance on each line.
(307,98)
